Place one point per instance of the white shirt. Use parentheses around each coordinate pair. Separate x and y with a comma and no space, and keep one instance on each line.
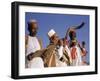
(33,45)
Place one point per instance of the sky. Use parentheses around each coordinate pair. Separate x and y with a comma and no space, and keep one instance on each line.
(60,23)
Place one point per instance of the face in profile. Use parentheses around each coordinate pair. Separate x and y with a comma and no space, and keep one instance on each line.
(55,38)
(72,35)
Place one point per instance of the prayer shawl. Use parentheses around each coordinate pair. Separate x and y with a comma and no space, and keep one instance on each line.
(76,56)
(49,56)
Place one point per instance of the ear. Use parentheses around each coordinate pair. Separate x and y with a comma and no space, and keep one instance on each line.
(51,39)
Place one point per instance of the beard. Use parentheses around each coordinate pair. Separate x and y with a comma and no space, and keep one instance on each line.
(72,35)
(33,33)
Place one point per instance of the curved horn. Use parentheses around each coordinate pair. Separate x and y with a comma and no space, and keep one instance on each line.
(79,26)
(74,28)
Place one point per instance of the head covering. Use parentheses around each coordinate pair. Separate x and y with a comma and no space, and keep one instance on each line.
(32,21)
(51,33)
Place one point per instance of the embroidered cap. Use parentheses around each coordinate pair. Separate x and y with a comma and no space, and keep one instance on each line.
(51,33)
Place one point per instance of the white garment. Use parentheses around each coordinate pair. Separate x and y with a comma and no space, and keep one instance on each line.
(78,60)
(36,62)
(60,63)
(33,46)
(58,56)
(69,53)
(60,52)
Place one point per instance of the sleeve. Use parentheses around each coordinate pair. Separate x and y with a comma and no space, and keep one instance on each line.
(49,57)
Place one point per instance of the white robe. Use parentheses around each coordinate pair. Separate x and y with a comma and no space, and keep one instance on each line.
(33,46)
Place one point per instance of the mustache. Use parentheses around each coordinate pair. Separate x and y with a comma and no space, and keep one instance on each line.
(35,32)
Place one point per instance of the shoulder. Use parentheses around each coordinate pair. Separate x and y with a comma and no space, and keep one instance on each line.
(51,47)
(40,42)
(39,39)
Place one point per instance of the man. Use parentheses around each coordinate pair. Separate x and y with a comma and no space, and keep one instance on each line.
(74,45)
(33,44)
(66,52)
(84,52)
(74,48)
(54,54)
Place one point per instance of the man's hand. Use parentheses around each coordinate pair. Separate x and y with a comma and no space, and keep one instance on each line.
(30,56)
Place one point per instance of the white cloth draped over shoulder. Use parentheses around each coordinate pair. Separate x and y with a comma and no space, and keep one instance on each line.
(69,53)
(58,56)
(32,46)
